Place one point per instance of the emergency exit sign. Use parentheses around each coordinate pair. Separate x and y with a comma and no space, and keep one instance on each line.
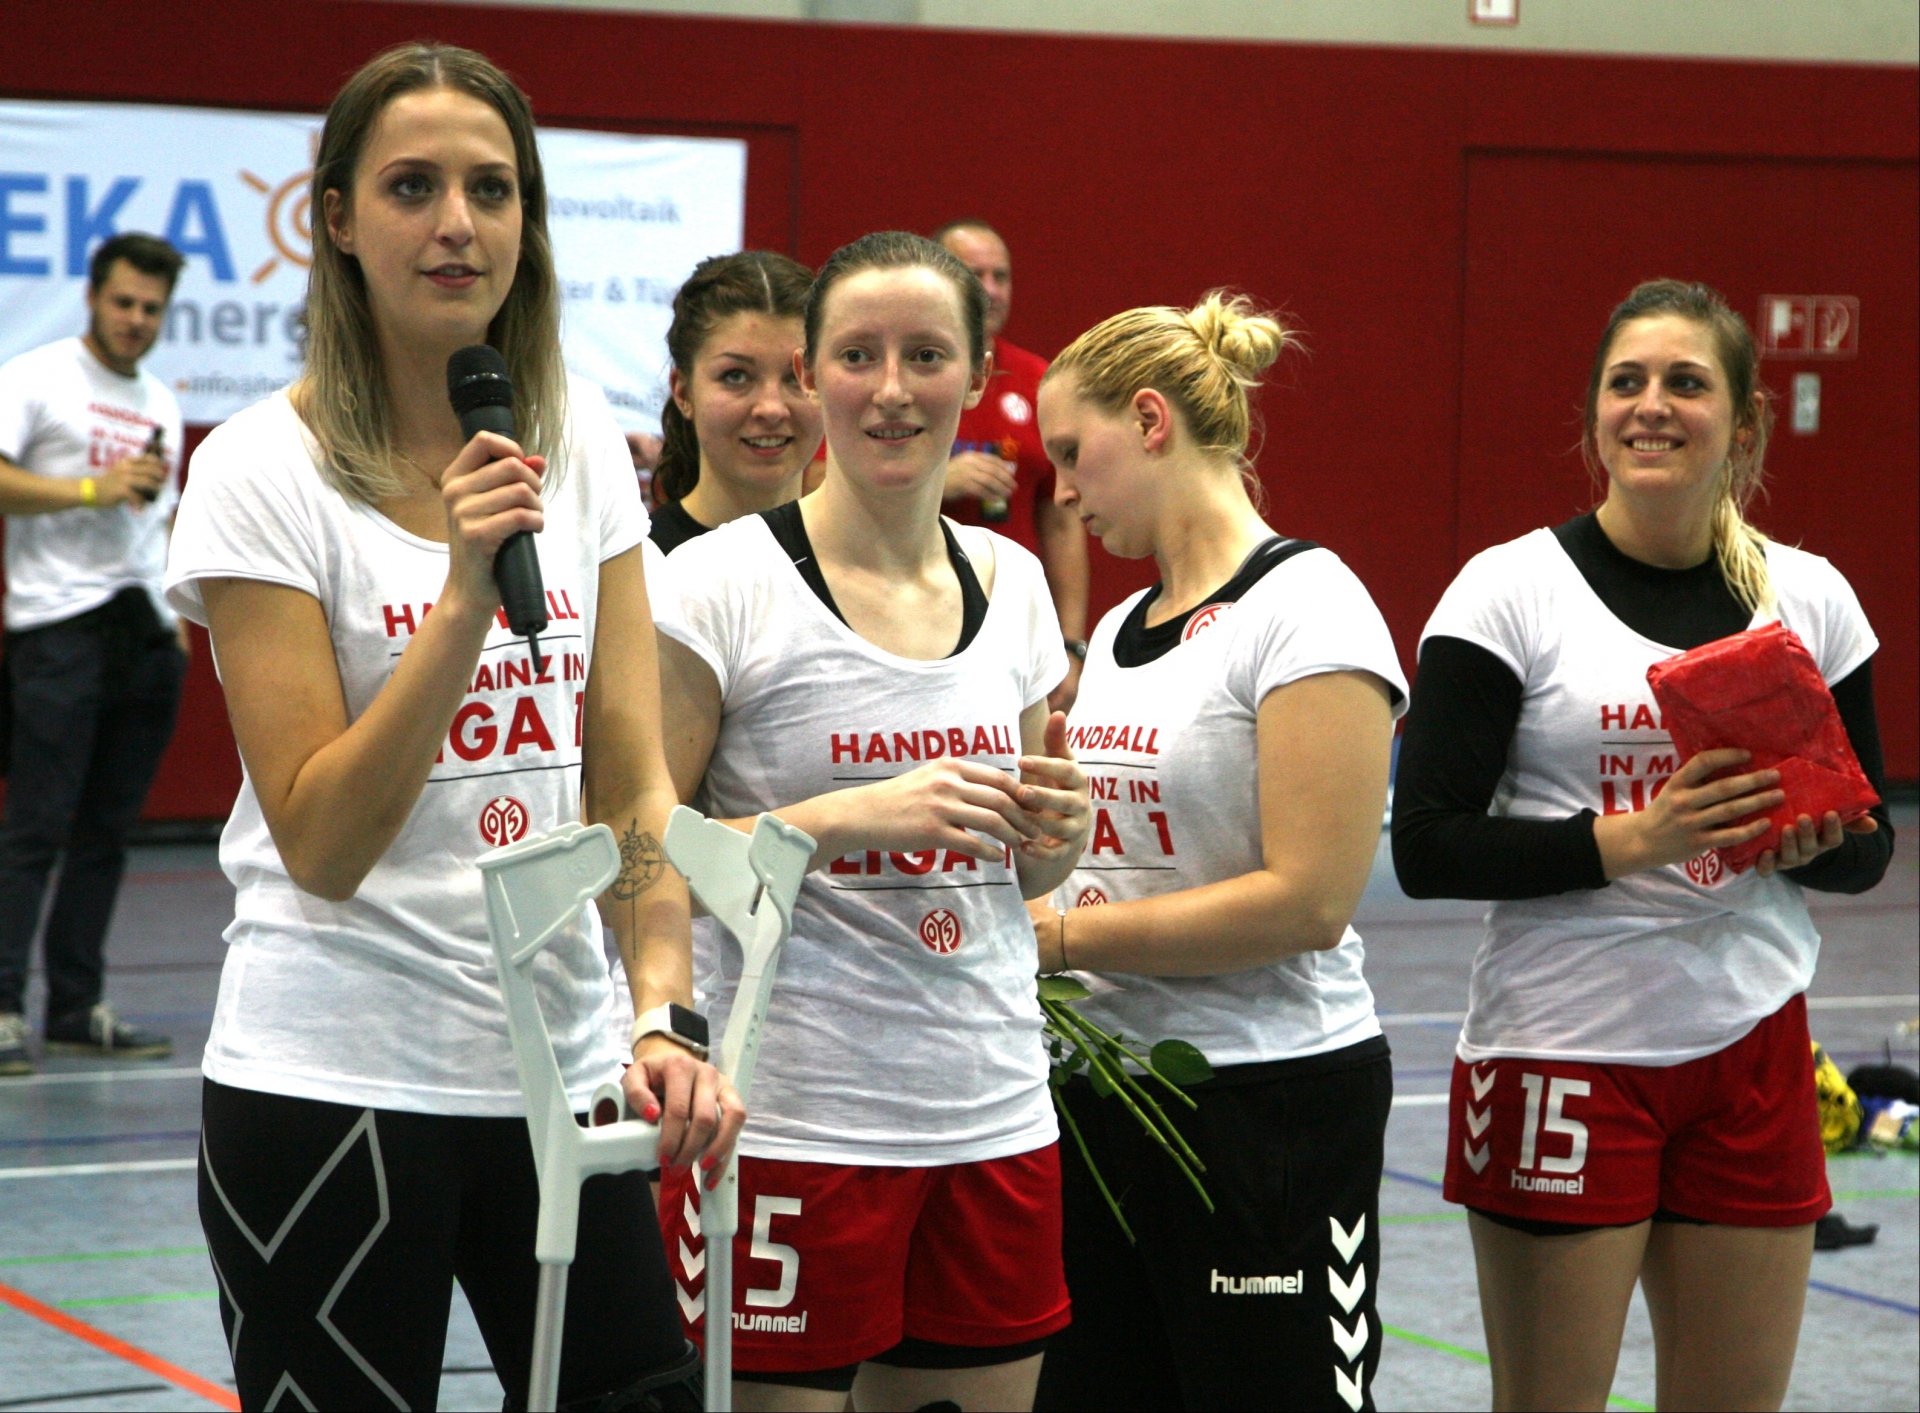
(1810,325)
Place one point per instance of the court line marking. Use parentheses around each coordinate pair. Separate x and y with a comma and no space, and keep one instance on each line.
(61,1258)
(97,1140)
(1814,1003)
(1475,1356)
(1900,1305)
(148,1165)
(117,1076)
(81,1395)
(120,1349)
(157,1297)
(1414,1178)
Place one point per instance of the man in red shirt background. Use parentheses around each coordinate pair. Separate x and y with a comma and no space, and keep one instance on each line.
(999,474)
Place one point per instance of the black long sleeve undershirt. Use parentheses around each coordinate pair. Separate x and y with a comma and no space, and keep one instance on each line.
(1466,704)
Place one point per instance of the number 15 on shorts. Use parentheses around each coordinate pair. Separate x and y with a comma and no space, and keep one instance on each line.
(1558,1089)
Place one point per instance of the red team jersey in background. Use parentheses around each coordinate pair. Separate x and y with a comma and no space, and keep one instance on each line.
(1005,425)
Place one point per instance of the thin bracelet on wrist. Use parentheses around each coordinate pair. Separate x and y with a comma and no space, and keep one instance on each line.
(1065,965)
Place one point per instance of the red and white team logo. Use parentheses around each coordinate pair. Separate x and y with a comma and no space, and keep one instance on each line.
(1706,869)
(1203,619)
(940,931)
(503,821)
(1015,409)
(1090,898)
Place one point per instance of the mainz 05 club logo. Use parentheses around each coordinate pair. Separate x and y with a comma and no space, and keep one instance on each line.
(940,930)
(503,821)
(1203,619)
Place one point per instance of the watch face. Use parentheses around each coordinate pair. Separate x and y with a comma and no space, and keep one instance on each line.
(688,1025)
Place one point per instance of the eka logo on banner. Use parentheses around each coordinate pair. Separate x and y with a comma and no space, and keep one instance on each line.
(289,221)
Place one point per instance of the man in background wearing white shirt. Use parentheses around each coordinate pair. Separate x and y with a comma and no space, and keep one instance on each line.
(89,446)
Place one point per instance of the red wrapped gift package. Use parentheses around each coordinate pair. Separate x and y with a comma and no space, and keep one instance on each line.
(1761,691)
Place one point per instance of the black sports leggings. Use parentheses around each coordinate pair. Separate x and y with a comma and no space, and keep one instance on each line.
(337,1232)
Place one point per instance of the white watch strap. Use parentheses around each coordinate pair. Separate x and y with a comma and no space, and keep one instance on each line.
(658,1020)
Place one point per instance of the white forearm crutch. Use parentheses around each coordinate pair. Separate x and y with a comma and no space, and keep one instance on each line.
(533,889)
(748,884)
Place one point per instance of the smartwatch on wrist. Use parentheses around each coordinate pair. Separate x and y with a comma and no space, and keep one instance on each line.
(685,1028)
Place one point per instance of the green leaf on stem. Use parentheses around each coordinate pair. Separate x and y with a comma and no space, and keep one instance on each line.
(1062,988)
(1181,1062)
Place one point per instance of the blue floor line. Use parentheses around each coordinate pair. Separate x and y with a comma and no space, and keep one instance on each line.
(86,1140)
(1865,1299)
(1414,1179)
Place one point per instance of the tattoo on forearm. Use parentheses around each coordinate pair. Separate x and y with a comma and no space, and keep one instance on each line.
(641,864)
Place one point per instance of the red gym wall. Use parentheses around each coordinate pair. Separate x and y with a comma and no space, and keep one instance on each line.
(1449,228)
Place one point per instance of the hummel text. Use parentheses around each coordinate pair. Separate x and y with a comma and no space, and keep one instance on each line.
(1257,1285)
(1572,1187)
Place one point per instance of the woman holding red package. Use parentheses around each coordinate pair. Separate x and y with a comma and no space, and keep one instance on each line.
(1633,1096)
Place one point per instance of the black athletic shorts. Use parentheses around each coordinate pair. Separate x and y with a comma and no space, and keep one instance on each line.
(336,1234)
(1269,1301)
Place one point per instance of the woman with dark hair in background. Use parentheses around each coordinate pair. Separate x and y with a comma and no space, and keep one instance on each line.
(879,677)
(737,431)
(1633,1098)
(363,1140)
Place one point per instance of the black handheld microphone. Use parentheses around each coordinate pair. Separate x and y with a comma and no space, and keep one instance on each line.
(482,397)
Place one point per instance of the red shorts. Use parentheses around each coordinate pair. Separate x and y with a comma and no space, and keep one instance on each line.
(1732,1138)
(834,1264)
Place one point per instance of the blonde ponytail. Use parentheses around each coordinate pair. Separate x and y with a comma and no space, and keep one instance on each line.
(1205,361)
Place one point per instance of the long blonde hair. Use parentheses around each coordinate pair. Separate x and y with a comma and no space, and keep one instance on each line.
(1205,361)
(342,392)
(1740,547)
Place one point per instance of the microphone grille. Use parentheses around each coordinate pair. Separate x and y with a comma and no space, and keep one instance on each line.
(477,377)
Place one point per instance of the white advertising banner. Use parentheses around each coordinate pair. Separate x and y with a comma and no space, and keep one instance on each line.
(630,217)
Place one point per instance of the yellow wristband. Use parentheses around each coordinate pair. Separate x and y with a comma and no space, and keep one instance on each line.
(89,492)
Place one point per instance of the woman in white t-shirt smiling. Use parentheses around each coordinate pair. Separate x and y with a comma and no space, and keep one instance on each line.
(1236,718)
(879,677)
(362,1140)
(1633,1093)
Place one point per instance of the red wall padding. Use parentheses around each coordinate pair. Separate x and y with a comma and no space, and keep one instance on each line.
(1374,193)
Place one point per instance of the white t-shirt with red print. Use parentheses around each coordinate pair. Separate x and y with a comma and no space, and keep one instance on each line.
(1171,749)
(390,999)
(65,413)
(1661,966)
(903,1028)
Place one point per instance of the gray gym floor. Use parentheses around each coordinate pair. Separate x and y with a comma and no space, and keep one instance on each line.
(107,1300)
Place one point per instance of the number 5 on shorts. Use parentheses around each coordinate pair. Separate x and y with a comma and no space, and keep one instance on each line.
(1559,1090)
(765,1208)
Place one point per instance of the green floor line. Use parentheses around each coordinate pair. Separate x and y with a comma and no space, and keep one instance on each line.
(161,1297)
(1474,1356)
(102,1256)
(1863,1193)
(1407,1218)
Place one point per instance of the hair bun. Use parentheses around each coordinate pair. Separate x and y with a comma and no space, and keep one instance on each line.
(1241,336)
